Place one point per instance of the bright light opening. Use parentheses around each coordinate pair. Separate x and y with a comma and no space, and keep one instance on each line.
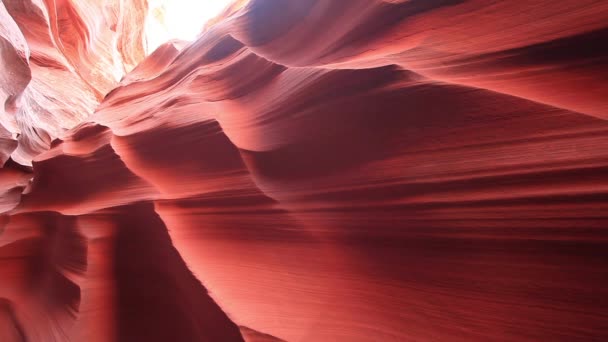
(179,19)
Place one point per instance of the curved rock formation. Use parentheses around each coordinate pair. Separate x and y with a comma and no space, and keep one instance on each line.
(306,170)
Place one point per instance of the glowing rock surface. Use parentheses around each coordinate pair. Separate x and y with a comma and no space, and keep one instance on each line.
(305,170)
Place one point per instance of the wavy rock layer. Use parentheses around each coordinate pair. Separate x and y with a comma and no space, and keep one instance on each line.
(59,58)
(306,170)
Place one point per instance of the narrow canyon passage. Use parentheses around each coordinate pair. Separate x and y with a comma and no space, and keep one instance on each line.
(304,170)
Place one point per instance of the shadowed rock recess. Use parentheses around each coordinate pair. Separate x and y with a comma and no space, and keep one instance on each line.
(305,170)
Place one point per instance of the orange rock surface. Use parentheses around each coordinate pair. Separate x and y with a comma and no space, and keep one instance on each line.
(306,170)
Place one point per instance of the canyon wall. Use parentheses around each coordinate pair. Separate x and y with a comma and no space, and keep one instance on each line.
(306,170)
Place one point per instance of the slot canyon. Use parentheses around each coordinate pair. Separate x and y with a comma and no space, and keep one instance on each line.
(303,170)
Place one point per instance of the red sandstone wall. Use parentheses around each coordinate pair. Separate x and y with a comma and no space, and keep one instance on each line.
(307,170)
